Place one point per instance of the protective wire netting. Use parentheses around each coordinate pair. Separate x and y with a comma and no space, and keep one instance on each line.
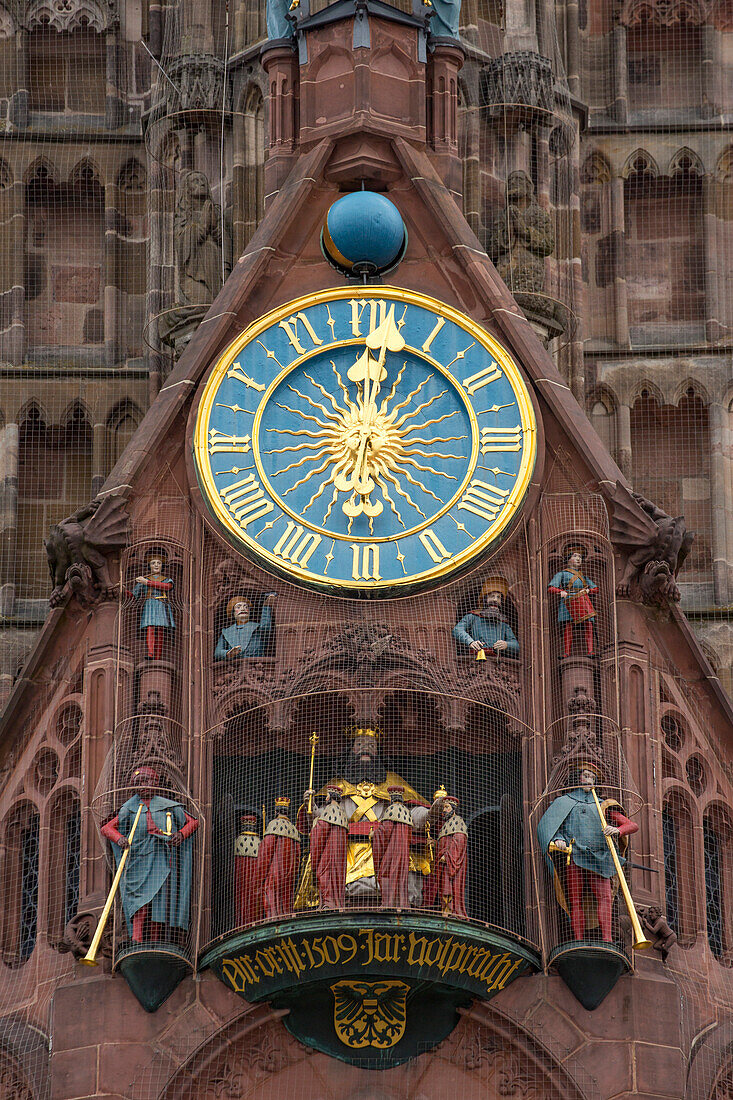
(598,176)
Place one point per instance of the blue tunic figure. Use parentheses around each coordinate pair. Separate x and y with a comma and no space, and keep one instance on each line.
(575,606)
(157,616)
(278,25)
(155,889)
(572,825)
(487,627)
(444,23)
(244,638)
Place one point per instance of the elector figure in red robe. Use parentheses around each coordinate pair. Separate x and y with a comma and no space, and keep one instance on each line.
(391,849)
(278,860)
(451,862)
(247,894)
(329,841)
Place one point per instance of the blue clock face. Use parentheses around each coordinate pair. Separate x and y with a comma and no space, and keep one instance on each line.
(365,442)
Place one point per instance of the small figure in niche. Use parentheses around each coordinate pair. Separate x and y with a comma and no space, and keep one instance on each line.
(155,889)
(328,851)
(486,627)
(278,859)
(243,638)
(574,590)
(247,895)
(452,855)
(157,616)
(572,826)
(662,937)
(391,850)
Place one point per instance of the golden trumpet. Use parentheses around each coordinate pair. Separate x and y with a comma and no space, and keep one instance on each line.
(640,940)
(90,959)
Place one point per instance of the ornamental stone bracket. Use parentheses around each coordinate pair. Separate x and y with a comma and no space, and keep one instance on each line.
(523,80)
(198,82)
(370,988)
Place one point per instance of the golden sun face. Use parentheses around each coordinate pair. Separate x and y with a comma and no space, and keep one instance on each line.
(367,444)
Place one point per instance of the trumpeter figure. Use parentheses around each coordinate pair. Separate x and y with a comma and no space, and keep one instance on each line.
(155,889)
(574,827)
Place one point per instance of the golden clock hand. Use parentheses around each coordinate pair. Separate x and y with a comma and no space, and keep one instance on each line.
(387,337)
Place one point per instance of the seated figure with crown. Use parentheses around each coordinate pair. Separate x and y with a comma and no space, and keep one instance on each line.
(364,782)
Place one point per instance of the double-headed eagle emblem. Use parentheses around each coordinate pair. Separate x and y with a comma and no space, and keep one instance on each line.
(370,1014)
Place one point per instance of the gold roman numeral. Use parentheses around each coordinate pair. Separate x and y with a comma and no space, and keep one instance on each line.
(246,501)
(290,327)
(377,313)
(366,562)
(484,500)
(237,372)
(296,545)
(501,439)
(438,326)
(434,546)
(220,442)
(482,378)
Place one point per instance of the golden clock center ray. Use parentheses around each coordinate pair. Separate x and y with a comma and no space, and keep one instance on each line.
(369,446)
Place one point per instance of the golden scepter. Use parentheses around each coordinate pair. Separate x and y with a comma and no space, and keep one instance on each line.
(640,939)
(90,959)
(314,741)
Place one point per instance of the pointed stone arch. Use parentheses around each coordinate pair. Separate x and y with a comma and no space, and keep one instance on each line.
(686,162)
(640,165)
(596,169)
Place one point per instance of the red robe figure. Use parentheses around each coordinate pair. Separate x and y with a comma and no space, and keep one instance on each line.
(391,848)
(278,860)
(329,841)
(155,889)
(451,861)
(247,894)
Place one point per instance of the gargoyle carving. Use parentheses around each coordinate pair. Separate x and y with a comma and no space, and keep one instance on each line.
(77,550)
(657,543)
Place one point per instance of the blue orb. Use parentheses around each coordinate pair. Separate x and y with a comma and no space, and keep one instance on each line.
(364,233)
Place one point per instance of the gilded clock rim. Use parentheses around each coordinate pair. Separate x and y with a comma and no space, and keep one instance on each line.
(412,581)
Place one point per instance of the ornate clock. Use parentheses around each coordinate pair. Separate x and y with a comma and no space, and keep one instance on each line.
(365,440)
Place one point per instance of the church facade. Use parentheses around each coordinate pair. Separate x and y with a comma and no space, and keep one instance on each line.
(365,745)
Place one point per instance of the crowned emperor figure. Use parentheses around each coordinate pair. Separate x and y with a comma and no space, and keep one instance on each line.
(364,782)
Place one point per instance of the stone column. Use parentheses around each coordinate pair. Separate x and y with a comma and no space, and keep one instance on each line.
(721,499)
(445,63)
(281,66)
(618,229)
(624,454)
(712,67)
(572,45)
(8,515)
(620,106)
(111,293)
(113,106)
(714,328)
(99,457)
